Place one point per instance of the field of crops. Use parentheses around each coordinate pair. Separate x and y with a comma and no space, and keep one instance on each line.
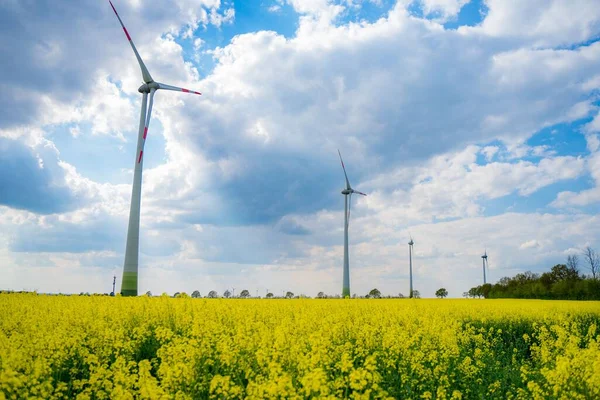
(102,347)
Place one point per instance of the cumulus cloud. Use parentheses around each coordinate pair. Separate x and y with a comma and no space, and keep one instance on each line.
(570,199)
(33,180)
(542,23)
(442,10)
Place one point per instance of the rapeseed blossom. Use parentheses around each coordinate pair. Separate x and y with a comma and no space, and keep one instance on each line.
(55,347)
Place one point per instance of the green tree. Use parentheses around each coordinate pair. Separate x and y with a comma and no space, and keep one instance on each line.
(441,293)
(485,290)
(149,293)
(244,294)
(416,294)
(196,294)
(289,295)
(473,292)
(321,295)
(227,294)
(374,293)
(212,294)
(269,295)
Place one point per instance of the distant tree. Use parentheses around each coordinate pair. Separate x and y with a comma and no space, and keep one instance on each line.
(164,294)
(244,294)
(227,294)
(269,295)
(321,295)
(196,294)
(592,261)
(473,292)
(176,294)
(416,294)
(149,293)
(374,293)
(465,294)
(212,294)
(573,263)
(289,295)
(485,290)
(182,295)
(441,293)
(400,296)
(479,291)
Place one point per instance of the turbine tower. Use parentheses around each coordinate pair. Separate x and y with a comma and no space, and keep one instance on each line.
(129,284)
(410,251)
(347,204)
(484,258)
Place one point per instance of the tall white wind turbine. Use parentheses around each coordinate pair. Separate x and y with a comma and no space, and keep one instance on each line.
(410,252)
(129,284)
(484,258)
(347,205)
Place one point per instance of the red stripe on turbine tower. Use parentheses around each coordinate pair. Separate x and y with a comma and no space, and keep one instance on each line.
(140,157)
(145,132)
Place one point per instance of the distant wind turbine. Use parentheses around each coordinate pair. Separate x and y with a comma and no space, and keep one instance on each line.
(410,251)
(129,285)
(484,258)
(347,205)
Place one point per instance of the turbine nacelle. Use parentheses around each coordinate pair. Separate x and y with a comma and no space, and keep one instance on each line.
(346,192)
(147,87)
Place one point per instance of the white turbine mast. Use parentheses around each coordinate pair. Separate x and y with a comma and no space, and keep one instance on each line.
(129,284)
(410,252)
(484,259)
(347,192)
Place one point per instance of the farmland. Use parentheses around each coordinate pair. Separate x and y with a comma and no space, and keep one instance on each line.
(102,347)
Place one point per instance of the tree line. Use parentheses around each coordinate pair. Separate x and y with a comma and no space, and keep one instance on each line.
(562,282)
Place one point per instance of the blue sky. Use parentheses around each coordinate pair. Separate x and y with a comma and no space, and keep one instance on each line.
(470,124)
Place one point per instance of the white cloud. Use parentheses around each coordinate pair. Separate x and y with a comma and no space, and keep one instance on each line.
(442,10)
(542,22)
(570,199)
(530,244)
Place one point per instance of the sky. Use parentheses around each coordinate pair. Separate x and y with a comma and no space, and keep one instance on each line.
(472,126)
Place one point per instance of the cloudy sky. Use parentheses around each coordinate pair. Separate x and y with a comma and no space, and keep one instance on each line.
(471,125)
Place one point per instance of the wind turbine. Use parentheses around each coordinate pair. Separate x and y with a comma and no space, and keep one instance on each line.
(410,251)
(484,258)
(129,285)
(347,204)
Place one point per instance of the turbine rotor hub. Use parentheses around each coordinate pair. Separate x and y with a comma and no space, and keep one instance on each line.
(346,191)
(146,87)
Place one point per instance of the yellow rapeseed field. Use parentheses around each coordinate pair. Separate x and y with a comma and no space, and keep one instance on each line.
(112,348)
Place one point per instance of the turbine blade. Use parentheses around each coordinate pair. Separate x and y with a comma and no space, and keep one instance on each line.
(145,74)
(361,193)
(345,174)
(176,89)
(147,124)
(349,208)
